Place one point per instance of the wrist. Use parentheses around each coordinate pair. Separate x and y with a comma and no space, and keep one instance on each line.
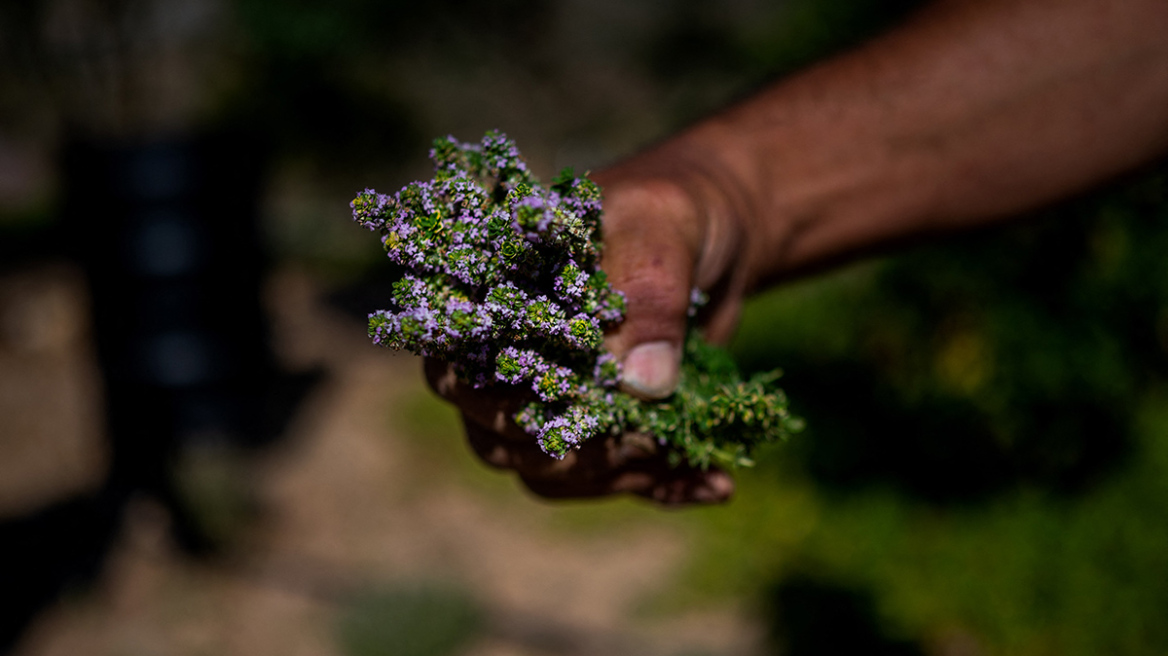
(811,180)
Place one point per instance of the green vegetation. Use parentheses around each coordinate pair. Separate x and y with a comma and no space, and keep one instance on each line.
(420,620)
(987,451)
(502,281)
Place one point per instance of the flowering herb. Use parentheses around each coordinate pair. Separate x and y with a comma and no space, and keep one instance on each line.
(503,281)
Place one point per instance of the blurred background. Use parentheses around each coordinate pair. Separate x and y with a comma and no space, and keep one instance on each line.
(200,453)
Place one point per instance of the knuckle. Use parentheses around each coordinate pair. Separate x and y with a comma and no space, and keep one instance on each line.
(544,488)
(441,377)
(486,445)
(496,456)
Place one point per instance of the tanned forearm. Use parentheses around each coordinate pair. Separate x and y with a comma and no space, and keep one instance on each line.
(972,111)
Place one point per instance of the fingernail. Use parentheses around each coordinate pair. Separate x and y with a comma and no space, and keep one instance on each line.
(651,370)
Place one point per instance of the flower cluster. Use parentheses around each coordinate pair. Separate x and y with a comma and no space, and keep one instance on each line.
(503,281)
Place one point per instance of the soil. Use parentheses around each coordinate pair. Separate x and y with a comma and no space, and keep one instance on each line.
(370,489)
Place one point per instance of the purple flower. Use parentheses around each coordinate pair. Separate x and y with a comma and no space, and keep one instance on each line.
(465,263)
(410,292)
(543,317)
(513,365)
(506,303)
(697,300)
(554,383)
(466,321)
(503,281)
(607,371)
(531,217)
(583,332)
(371,209)
(567,431)
(571,282)
(532,417)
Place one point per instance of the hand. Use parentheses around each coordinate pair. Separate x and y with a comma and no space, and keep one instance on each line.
(661,239)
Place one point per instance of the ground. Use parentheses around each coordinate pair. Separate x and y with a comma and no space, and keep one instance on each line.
(370,490)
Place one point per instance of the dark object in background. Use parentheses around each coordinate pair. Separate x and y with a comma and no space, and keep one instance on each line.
(1059,332)
(166,233)
(814,618)
(48,552)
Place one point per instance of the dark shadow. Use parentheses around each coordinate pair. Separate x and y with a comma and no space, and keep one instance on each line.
(861,433)
(1065,309)
(50,552)
(815,618)
(166,234)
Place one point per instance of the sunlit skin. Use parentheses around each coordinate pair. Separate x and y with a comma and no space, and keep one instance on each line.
(970,113)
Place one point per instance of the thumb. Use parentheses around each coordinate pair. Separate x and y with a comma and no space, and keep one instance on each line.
(649,255)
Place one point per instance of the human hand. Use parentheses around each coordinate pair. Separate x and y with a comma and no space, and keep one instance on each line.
(662,237)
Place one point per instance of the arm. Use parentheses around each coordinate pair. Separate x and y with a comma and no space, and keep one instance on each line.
(971,112)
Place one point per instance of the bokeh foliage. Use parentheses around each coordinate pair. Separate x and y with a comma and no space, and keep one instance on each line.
(987,451)
(409,620)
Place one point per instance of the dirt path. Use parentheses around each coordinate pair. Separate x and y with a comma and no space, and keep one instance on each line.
(360,496)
